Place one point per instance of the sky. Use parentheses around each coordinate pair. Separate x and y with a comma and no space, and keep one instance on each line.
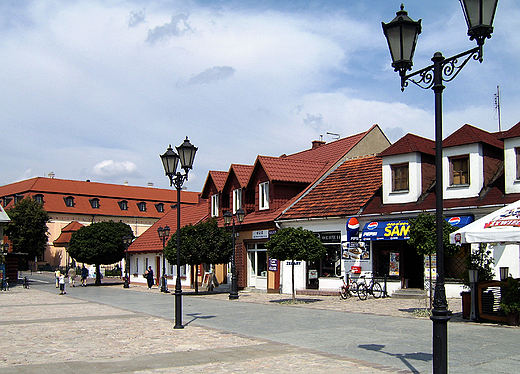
(97,90)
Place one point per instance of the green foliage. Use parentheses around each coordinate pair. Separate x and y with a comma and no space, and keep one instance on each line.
(298,244)
(510,300)
(28,227)
(423,237)
(99,243)
(482,261)
(204,242)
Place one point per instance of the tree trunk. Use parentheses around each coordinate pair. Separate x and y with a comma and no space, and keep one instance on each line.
(292,281)
(196,279)
(98,275)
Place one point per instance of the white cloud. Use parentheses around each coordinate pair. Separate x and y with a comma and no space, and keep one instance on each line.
(110,169)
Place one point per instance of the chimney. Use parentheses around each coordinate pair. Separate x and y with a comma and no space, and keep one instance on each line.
(51,175)
(317,143)
(150,184)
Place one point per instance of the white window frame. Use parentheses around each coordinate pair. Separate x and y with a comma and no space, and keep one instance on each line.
(214,205)
(237,199)
(263,196)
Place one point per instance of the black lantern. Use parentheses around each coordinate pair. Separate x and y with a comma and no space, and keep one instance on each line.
(164,234)
(170,160)
(186,152)
(479,16)
(401,34)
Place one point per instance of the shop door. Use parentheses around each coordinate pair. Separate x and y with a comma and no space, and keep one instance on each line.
(257,266)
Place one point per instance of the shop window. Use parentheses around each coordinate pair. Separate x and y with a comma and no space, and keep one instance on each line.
(214,205)
(459,170)
(263,196)
(400,179)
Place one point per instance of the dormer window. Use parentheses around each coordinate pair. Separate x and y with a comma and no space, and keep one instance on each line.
(94,203)
(237,199)
(69,201)
(400,177)
(18,198)
(459,170)
(159,207)
(141,206)
(263,196)
(38,198)
(214,205)
(7,200)
(123,204)
(517,162)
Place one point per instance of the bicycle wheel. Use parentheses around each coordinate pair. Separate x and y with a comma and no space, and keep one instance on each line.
(377,291)
(362,291)
(353,288)
(344,293)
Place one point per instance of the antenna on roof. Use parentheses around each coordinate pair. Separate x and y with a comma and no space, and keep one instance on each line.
(497,107)
(334,135)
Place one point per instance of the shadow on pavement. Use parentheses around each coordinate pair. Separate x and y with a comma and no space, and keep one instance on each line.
(421,356)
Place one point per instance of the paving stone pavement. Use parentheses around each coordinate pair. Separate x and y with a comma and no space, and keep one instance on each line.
(43,332)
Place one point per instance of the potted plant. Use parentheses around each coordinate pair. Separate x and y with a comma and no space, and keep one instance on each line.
(510,300)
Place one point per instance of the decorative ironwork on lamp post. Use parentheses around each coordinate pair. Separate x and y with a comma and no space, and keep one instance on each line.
(185,155)
(229,218)
(127,240)
(164,234)
(401,34)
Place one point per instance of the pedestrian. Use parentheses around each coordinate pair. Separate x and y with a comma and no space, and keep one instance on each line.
(72,277)
(57,274)
(84,275)
(149,277)
(62,284)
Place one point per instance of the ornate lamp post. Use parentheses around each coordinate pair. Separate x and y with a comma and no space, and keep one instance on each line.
(228,218)
(164,234)
(185,154)
(401,34)
(127,240)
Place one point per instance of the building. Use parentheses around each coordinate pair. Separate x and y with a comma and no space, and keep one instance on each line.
(87,202)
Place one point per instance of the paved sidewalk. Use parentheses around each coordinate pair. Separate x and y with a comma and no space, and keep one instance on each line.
(44,332)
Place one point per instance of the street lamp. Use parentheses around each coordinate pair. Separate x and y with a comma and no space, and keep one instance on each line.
(127,240)
(185,154)
(164,234)
(401,34)
(228,218)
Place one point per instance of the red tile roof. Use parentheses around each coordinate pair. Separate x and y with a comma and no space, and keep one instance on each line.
(55,190)
(468,134)
(149,241)
(284,169)
(513,132)
(344,192)
(214,178)
(410,143)
(66,233)
(242,172)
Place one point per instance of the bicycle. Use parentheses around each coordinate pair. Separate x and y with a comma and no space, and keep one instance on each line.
(372,288)
(348,288)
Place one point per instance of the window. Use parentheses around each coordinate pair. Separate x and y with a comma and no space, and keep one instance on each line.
(7,200)
(69,201)
(517,158)
(142,206)
(237,199)
(18,198)
(459,170)
(94,203)
(400,177)
(214,205)
(263,195)
(38,198)
(123,204)
(159,207)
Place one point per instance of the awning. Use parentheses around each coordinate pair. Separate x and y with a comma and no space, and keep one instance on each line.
(501,226)
(399,230)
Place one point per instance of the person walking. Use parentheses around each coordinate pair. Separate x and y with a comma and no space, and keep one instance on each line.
(57,274)
(62,284)
(84,276)
(149,277)
(72,277)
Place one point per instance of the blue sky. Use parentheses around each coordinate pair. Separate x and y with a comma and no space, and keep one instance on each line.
(98,89)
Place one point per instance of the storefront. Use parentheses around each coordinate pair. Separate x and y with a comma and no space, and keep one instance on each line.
(329,267)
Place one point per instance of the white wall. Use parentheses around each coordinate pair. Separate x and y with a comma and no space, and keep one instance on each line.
(414,178)
(512,184)
(476,171)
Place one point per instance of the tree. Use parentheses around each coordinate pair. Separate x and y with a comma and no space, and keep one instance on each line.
(28,227)
(295,244)
(99,243)
(204,242)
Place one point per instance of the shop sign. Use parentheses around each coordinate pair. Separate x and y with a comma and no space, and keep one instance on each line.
(386,230)
(260,234)
(313,274)
(330,237)
(296,263)
(273,264)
